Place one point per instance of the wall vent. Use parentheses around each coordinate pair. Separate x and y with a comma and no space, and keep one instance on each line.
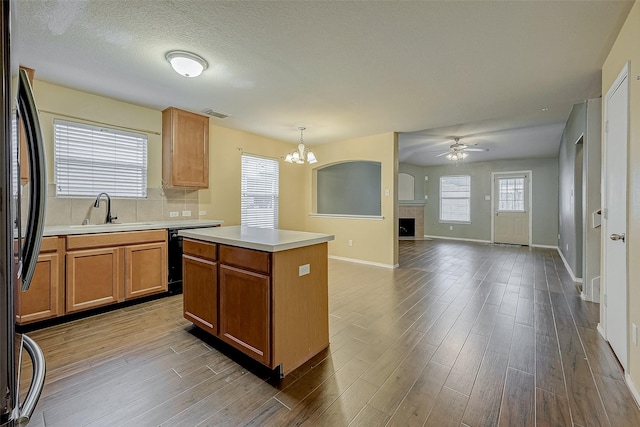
(216,114)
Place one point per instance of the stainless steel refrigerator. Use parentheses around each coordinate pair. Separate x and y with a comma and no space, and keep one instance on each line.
(20,227)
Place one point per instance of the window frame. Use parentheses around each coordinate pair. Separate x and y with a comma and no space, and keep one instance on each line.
(274,184)
(440,200)
(85,173)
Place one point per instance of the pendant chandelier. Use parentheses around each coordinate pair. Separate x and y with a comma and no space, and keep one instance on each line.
(301,154)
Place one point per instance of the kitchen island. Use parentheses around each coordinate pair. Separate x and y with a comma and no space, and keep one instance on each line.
(262,291)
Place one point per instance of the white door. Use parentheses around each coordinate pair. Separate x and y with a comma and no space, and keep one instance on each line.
(511,209)
(614,221)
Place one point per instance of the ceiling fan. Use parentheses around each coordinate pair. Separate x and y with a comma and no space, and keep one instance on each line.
(459,151)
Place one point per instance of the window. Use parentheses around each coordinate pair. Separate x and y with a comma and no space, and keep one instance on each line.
(91,159)
(511,194)
(455,198)
(259,192)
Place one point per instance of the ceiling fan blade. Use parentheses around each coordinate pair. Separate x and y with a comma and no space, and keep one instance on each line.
(442,154)
(476,149)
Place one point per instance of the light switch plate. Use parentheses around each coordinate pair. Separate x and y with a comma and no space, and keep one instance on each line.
(174,214)
(186,213)
(487,197)
(304,270)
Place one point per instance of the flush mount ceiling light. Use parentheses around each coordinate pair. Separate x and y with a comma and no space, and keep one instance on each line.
(186,63)
(301,154)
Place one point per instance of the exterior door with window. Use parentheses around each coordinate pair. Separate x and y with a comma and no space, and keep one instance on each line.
(511,209)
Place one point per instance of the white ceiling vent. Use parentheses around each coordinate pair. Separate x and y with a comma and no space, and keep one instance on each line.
(216,114)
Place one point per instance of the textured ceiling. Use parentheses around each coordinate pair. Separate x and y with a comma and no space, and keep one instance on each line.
(342,69)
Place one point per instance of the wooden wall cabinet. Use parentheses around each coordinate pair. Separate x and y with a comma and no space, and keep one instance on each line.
(45,297)
(185,149)
(107,268)
(200,285)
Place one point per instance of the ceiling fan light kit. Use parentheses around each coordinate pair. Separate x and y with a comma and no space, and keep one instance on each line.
(459,151)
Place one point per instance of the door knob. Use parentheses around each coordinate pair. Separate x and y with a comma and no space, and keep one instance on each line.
(617,236)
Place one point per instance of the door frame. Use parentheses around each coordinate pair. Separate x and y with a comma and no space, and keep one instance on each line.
(602,325)
(494,175)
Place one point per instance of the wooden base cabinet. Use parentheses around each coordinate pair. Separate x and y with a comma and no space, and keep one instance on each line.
(94,278)
(45,297)
(108,268)
(146,269)
(200,295)
(265,307)
(245,311)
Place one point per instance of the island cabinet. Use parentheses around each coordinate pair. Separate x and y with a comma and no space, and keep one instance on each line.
(272,306)
(107,268)
(45,297)
(199,270)
(185,149)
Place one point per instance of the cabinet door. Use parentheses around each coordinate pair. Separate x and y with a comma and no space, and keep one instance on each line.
(199,292)
(40,302)
(186,143)
(94,278)
(245,312)
(145,269)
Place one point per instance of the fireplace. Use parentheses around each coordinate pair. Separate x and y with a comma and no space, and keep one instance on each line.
(407,227)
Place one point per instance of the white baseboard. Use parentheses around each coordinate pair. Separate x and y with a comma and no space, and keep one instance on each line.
(566,264)
(632,389)
(458,238)
(544,246)
(361,261)
(601,330)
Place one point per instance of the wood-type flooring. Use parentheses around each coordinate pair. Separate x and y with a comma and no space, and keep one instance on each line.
(461,334)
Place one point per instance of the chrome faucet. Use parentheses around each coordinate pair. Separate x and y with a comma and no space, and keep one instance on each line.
(109,219)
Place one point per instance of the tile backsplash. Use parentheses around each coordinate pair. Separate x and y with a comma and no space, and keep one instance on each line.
(156,207)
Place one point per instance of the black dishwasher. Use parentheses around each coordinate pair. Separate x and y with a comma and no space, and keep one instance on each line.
(175,261)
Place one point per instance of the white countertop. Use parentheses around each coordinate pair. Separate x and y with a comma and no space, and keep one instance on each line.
(261,239)
(64,230)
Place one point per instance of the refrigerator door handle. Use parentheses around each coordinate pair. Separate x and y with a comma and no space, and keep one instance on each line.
(37,380)
(37,184)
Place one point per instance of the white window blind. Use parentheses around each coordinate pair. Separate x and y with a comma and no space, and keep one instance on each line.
(511,194)
(455,198)
(89,160)
(259,192)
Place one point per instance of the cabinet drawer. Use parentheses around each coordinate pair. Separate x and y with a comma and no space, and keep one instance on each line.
(245,258)
(88,241)
(199,249)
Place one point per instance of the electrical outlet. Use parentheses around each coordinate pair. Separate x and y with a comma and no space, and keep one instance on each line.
(350,242)
(186,213)
(202,213)
(304,270)
(387,192)
(174,214)
(567,246)
(450,227)
(634,336)
(426,197)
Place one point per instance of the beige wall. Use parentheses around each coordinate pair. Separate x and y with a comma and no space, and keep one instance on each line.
(222,199)
(626,49)
(374,241)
